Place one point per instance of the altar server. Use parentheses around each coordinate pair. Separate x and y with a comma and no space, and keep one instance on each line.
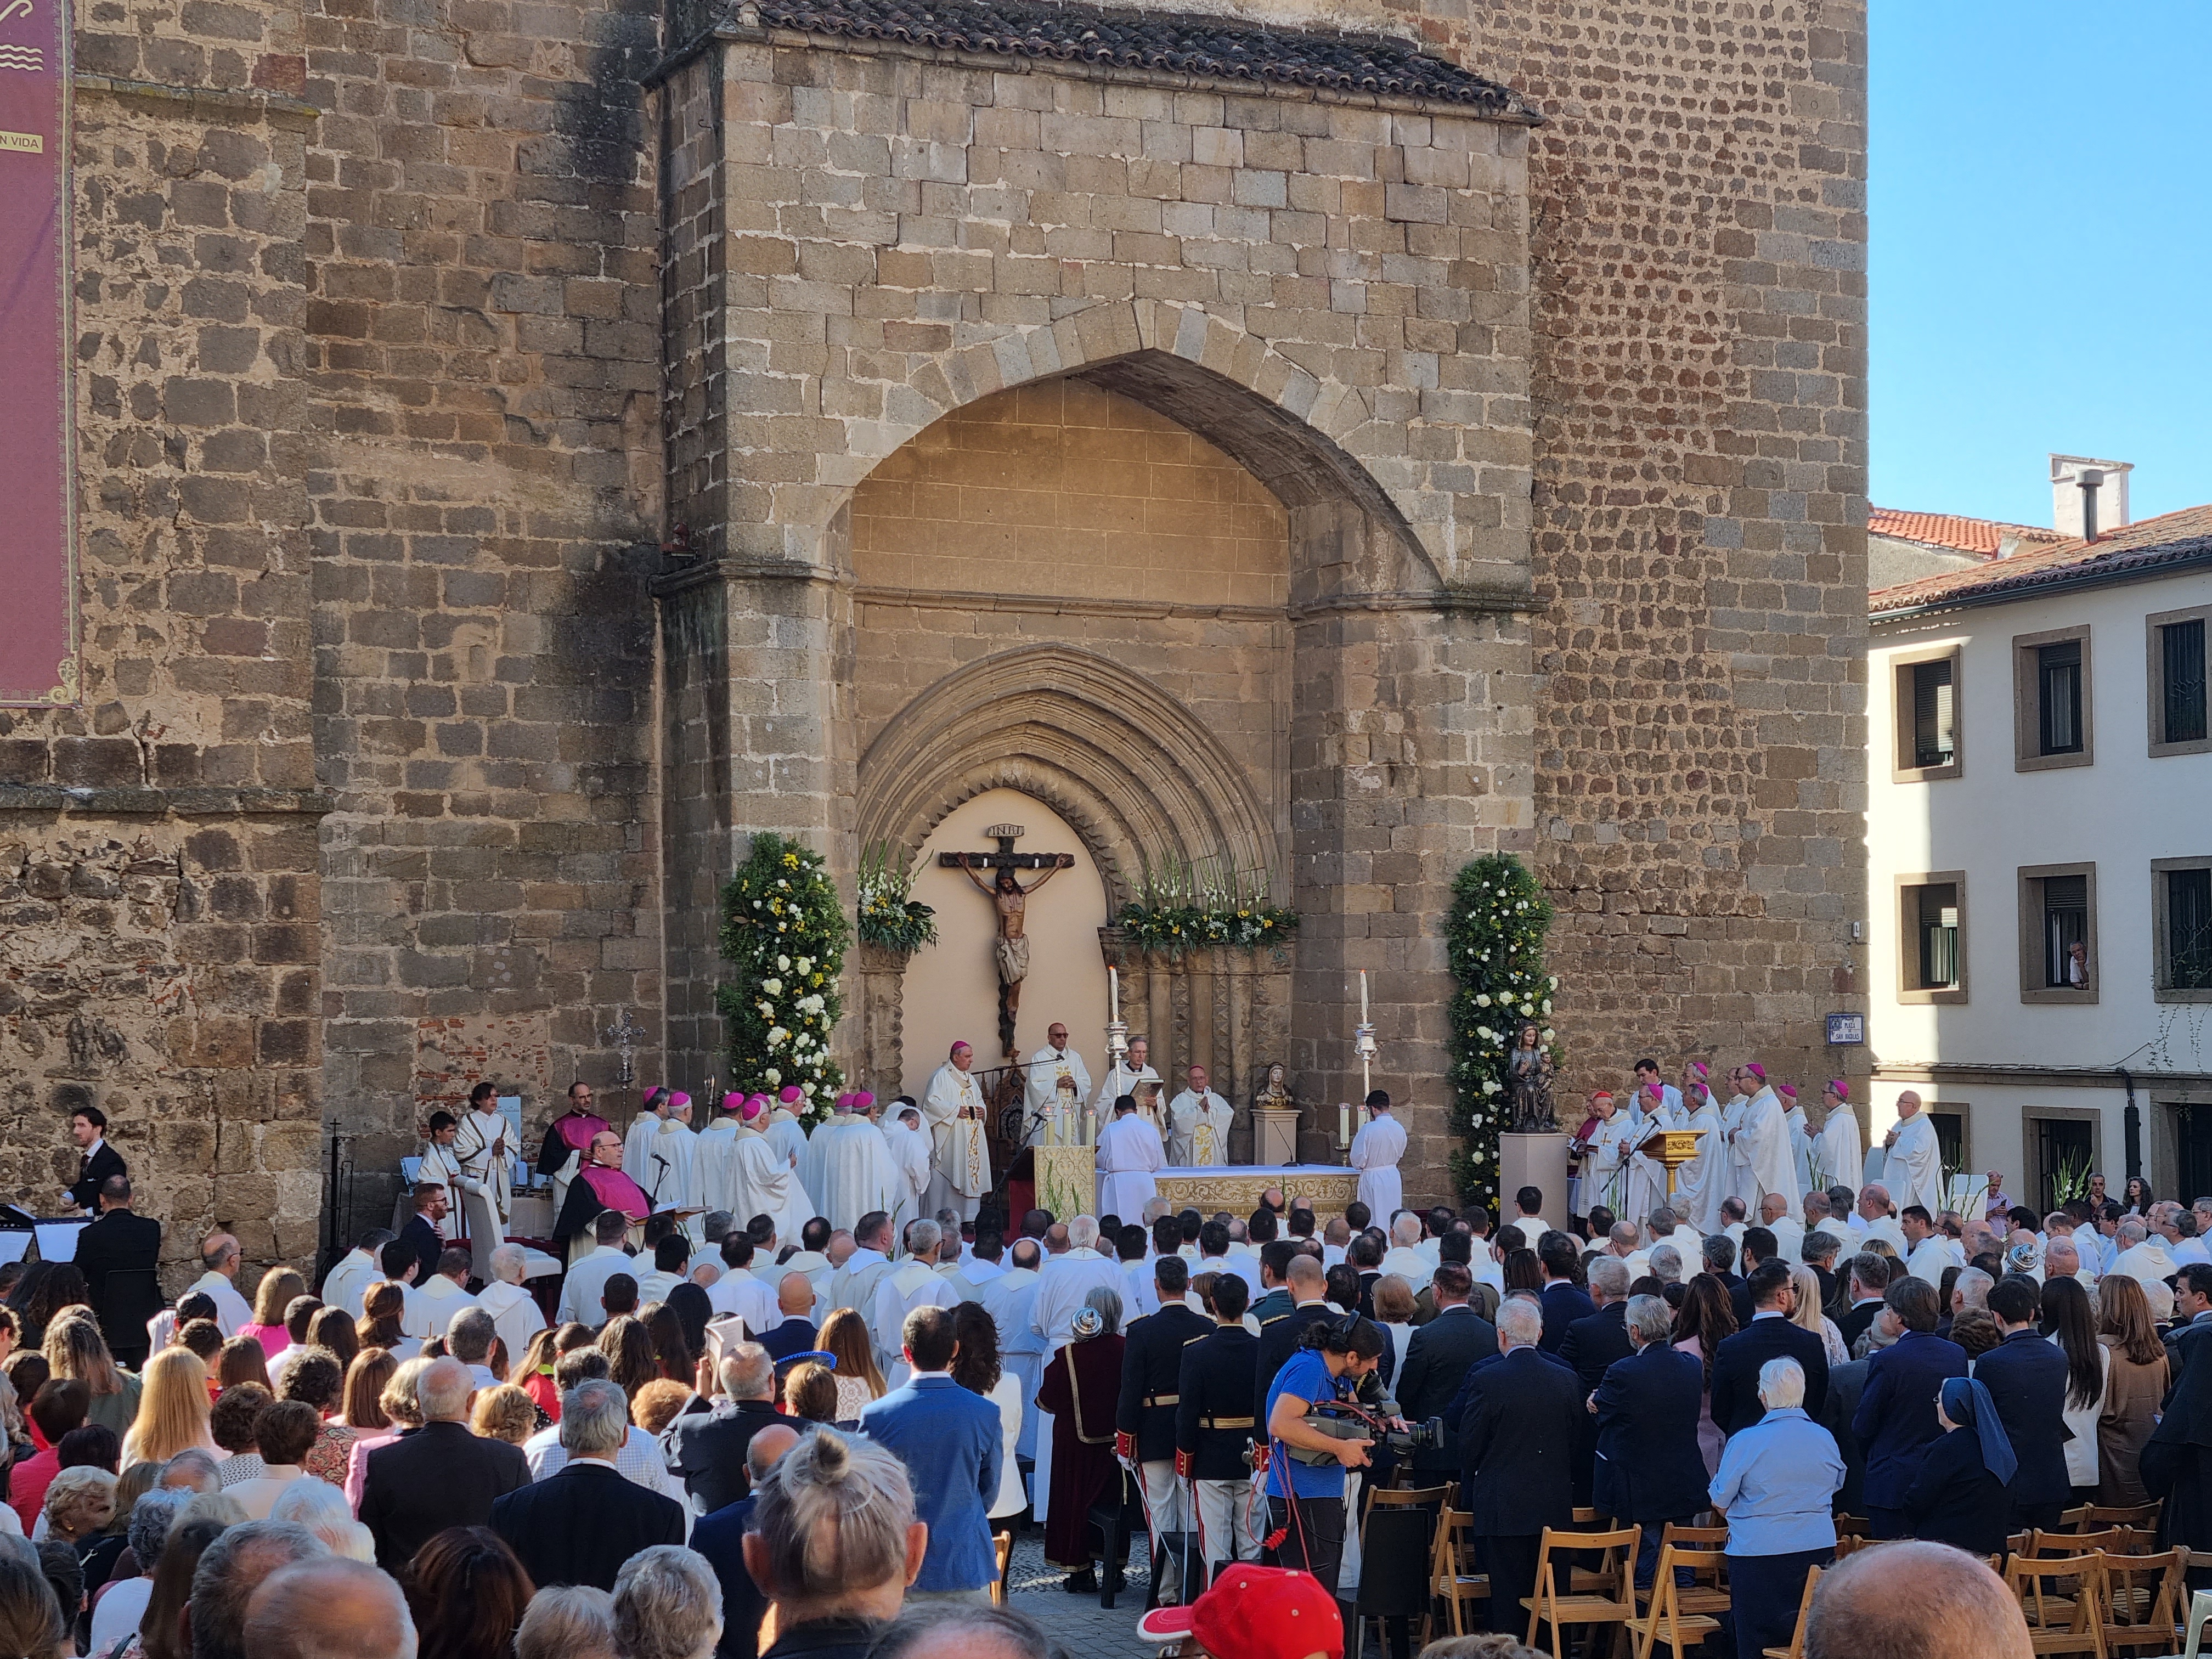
(1198,1124)
(442,1166)
(1375,1151)
(960,1176)
(850,1170)
(1129,1150)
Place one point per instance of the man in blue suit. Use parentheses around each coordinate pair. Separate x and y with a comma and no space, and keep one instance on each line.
(949,1440)
(2027,1377)
(1565,1301)
(1896,1418)
(1649,1468)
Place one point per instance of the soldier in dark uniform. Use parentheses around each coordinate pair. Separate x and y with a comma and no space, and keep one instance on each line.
(1144,1417)
(1215,1424)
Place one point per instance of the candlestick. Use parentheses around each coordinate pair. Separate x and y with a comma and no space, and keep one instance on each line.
(1344,1123)
(1363,996)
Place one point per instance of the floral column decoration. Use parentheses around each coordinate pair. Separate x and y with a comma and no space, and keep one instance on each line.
(784,933)
(1495,934)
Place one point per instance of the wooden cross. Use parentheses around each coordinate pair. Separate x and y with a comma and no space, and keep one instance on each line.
(1011,900)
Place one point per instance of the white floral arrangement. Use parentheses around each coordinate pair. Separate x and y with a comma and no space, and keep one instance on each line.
(784,932)
(1495,937)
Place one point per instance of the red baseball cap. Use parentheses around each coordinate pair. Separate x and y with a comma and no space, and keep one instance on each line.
(1255,1613)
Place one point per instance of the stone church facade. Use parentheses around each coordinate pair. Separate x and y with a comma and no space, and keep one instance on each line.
(525,449)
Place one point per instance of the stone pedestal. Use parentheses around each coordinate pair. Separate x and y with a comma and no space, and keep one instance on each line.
(1539,1161)
(1274,1136)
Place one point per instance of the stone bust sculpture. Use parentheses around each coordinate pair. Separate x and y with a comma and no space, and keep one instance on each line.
(1273,1095)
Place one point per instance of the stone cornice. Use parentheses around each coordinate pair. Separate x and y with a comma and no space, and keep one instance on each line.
(217,106)
(142,801)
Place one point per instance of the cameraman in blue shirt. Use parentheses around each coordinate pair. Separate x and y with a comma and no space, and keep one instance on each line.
(1305,1501)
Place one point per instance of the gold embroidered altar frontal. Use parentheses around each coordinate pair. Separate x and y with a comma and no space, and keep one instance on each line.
(1237,1187)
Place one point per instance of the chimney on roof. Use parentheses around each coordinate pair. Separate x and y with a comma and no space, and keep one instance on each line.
(2088,497)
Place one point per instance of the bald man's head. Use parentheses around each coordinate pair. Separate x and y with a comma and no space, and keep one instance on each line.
(1914,1601)
(1305,1276)
(331,1608)
(795,1296)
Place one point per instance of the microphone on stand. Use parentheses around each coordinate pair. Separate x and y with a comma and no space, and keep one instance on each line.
(663,1162)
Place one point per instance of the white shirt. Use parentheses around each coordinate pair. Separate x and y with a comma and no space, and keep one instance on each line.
(1930,1257)
(232,1311)
(1064,1281)
(514,1315)
(431,1308)
(639,1462)
(345,1284)
(1246,1268)
(747,1297)
(1883,1227)
(580,1290)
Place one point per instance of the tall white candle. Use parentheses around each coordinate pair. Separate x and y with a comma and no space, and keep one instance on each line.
(1344,1122)
(1113,994)
(1363,996)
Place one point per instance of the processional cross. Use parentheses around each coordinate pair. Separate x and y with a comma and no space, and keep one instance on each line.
(1011,949)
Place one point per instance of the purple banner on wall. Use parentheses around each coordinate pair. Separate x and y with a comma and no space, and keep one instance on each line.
(38,564)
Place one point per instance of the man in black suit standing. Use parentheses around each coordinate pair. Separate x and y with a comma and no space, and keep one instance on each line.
(125,1248)
(1215,1424)
(1758,1247)
(1593,1344)
(2026,1376)
(581,1523)
(1867,1276)
(1649,1470)
(796,1333)
(1437,1362)
(1515,1434)
(96,1159)
(1770,1335)
(1279,1336)
(1565,1302)
(706,1449)
(1145,1415)
(439,1475)
(422,1234)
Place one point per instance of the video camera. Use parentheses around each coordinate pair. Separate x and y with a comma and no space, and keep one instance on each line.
(1346,1419)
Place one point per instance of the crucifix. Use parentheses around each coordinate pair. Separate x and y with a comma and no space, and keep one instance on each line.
(1010,898)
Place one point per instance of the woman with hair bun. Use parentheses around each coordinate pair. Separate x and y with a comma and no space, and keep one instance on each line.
(833,1545)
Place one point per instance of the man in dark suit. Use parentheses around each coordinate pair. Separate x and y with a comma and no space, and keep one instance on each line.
(1279,1336)
(1718,1251)
(421,1233)
(1436,1362)
(2026,1376)
(439,1475)
(1565,1302)
(117,1255)
(1592,1345)
(1215,1423)
(1364,1257)
(1895,1422)
(1867,1277)
(96,1159)
(2193,1319)
(1846,1384)
(720,1538)
(1758,1247)
(1144,1414)
(1819,1251)
(1515,1429)
(1770,1335)
(707,1449)
(794,1299)
(581,1523)
(1646,1407)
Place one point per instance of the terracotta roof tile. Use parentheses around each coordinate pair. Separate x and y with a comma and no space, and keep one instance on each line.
(1167,42)
(1949,530)
(2170,539)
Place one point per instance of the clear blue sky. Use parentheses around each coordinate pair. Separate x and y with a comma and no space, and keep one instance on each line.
(2041,267)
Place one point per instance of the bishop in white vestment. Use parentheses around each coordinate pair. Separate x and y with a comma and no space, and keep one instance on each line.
(1842,1160)
(1198,1125)
(1646,1188)
(1700,1184)
(1375,1151)
(848,1169)
(961,1157)
(714,1158)
(659,1103)
(1913,1167)
(761,1183)
(1040,1088)
(1763,1143)
(1129,1150)
(784,1130)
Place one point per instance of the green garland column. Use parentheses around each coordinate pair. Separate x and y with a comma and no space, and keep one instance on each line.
(1495,934)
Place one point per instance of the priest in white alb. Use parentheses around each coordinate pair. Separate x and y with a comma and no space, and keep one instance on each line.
(761,1183)
(1375,1151)
(482,1148)
(1121,1078)
(1198,1124)
(1837,1149)
(910,1153)
(1129,1150)
(1604,1171)
(1763,1143)
(848,1169)
(1801,1141)
(1646,1187)
(643,1129)
(960,1178)
(1912,1164)
(784,1129)
(714,1158)
(911,1283)
(1041,1086)
(1699,1184)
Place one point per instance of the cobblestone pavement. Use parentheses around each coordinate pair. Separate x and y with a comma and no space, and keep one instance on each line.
(1078,1623)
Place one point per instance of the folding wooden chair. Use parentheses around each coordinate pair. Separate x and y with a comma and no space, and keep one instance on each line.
(2055,1623)
(1452,1578)
(1667,1621)
(1003,1543)
(2146,1598)
(1581,1580)
(1796,1647)
(1412,1497)
(2090,1517)
(1614,1605)
(1708,1593)
(2111,1540)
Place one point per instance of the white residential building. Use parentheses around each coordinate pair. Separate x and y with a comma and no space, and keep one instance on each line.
(2040,835)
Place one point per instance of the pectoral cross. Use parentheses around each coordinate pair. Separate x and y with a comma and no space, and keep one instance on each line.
(1011,948)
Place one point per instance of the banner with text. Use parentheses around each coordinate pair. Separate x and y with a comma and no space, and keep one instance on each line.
(38,562)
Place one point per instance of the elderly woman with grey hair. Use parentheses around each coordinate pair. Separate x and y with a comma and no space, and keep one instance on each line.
(1082,1389)
(568,1621)
(123,1603)
(833,1543)
(668,1605)
(1775,1486)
